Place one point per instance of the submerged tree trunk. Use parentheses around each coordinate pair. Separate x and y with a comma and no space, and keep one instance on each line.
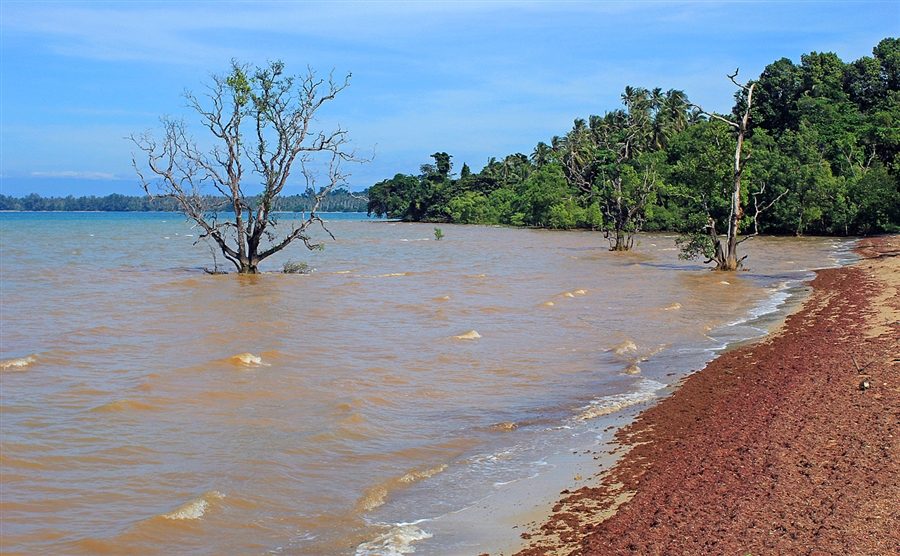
(620,240)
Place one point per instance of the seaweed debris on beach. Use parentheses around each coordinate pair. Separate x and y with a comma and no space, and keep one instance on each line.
(788,446)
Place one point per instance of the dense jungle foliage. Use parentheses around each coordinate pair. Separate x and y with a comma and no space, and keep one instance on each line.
(338,200)
(823,142)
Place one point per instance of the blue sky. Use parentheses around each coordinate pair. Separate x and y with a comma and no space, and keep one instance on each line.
(474,79)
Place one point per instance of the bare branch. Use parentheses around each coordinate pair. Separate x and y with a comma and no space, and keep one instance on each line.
(280,110)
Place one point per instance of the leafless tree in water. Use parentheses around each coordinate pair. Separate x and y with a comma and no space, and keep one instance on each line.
(262,122)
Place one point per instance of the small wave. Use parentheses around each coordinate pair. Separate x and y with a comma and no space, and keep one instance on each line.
(442,298)
(372,498)
(418,475)
(377,495)
(395,542)
(19,363)
(505,427)
(633,370)
(470,335)
(195,508)
(547,304)
(673,307)
(611,404)
(580,292)
(568,294)
(249,360)
(625,347)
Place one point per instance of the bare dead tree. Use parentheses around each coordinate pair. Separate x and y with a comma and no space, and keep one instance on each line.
(760,209)
(262,122)
(725,256)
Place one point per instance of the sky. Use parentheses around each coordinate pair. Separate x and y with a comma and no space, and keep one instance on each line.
(474,79)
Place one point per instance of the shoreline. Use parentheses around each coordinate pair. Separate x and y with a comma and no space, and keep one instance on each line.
(772,447)
(495,524)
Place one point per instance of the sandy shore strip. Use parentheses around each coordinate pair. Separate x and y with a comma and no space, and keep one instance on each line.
(787,446)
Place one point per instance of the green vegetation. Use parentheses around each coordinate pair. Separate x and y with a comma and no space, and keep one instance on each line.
(337,200)
(438,234)
(296,267)
(819,157)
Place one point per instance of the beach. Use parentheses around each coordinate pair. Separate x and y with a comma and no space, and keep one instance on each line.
(786,446)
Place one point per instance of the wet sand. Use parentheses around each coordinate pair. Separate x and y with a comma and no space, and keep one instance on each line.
(788,446)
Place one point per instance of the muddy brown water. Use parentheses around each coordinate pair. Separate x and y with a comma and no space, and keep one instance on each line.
(149,408)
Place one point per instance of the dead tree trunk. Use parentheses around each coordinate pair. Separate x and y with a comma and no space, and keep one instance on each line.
(725,256)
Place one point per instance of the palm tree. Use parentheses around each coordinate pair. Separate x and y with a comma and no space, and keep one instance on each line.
(671,117)
(542,155)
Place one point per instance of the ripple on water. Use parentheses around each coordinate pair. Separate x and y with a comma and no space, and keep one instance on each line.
(122,405)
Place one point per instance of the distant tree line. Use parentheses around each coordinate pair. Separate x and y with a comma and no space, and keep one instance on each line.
(819,157)
(338,200)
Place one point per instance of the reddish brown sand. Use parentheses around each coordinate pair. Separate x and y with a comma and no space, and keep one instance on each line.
(773,448)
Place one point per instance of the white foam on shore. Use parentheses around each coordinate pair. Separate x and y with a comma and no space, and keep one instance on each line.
(195,508)
(395,542)
(19,363)
(779,295)
(607,405)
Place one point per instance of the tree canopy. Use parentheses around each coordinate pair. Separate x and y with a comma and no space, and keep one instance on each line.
(819,157)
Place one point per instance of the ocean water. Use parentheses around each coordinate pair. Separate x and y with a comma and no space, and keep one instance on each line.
(150,408)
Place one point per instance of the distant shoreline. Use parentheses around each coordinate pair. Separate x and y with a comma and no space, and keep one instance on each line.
(176,211)
(789,445)
(338,200)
